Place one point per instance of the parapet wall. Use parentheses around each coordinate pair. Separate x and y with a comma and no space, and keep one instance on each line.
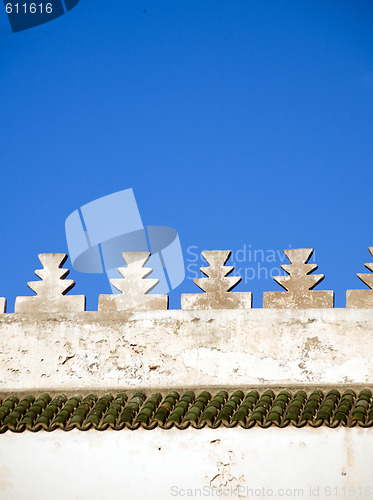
(160,349)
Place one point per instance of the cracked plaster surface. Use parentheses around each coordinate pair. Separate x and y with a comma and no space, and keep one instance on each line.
(179,348)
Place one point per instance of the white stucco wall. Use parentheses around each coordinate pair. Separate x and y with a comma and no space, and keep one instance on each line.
(257,463)
(176,348)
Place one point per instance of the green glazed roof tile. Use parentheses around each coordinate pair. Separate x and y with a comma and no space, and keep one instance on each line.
(179,409)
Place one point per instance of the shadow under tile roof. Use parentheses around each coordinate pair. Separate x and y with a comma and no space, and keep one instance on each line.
(197,409)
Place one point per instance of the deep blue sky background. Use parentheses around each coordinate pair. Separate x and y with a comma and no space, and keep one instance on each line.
(235,122)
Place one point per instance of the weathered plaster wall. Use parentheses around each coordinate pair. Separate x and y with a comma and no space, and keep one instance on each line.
(161,465)
(176,348)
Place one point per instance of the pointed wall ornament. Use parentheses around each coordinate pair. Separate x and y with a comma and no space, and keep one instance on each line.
(134,287)
(2,305)
(299,284)
(362,298)
(51,290)
(217,286)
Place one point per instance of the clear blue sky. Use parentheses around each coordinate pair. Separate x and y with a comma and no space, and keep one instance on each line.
(235,122)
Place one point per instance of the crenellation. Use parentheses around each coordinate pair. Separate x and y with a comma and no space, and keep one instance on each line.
(51,290)
(299,284)
(217,285)
(362,298)
(134,287)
